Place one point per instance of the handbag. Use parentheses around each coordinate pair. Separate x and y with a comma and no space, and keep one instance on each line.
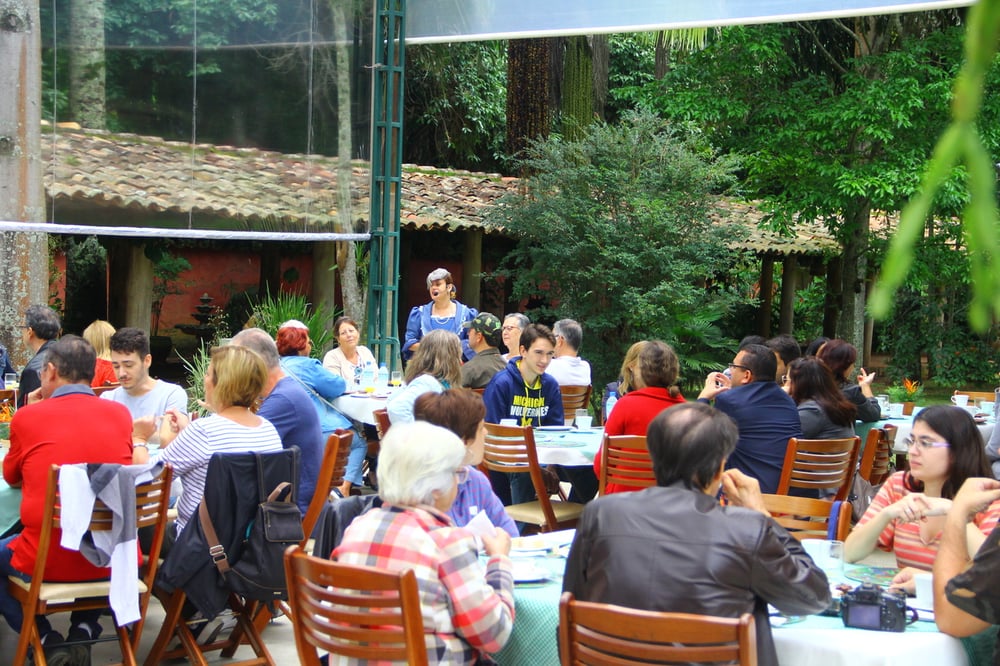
(259,571)
(861,496)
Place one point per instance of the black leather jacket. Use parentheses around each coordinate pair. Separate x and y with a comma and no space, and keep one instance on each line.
(674,549)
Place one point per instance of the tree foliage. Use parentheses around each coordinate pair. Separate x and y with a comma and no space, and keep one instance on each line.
(613,232)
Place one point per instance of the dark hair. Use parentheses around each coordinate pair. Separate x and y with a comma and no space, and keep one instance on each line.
(291,340)
(751,340)
(839,355)
(761,362)
(73,358)
(813,348)
(43,321)
(812,380)
(688,443)
(344,320)
(533,332)
(570,331)
(459,410)
(659,366)
(129,339)
(786,346)
(966,451)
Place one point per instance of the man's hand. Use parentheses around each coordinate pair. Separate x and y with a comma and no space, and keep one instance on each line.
(975,495)
(715,383)
(34,396)
(144,427)
(743,490)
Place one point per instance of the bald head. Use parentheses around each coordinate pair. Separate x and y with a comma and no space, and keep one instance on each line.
(259,341)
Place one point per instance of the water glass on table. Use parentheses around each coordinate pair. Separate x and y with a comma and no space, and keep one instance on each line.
(10,380)
(583,419)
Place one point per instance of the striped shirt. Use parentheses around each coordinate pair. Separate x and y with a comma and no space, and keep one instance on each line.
(903,538)
(191,450)
(466,610)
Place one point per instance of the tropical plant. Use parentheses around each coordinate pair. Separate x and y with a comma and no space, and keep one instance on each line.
(272,311)
(196,367)
(909,390)
(614,232)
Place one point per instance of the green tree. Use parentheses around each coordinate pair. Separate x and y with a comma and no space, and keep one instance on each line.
(613,232)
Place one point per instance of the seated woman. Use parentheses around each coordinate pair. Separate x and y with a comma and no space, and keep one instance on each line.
(653,389)
(462,411)
(322,386)
(233,383)
(626,376)
(99,335)
(435,367)
(467,611)
(348,358)
(908,513)
(840,357)
(825,412)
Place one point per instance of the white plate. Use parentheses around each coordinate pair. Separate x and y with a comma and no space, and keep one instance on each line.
(528,544)
(555,428)
(526,572)
(362,395)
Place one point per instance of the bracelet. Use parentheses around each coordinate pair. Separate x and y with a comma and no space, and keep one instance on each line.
(141,445)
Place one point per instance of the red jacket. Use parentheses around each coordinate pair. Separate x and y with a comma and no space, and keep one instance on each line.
(631,416)
(69,427)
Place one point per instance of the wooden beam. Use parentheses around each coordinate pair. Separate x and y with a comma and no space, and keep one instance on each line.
(766,296)
(789,284)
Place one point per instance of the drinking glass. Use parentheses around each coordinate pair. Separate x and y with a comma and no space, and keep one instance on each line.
(10,380)
(396,378)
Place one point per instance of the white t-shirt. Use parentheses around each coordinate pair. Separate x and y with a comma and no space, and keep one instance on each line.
(156,402)
(569,371)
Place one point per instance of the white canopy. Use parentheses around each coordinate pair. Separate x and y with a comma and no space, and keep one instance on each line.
(474,20)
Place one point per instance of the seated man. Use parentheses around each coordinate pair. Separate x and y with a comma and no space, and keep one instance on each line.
(675,548)
(567,366)
(484,338)
(41,327)
(145,398)
(290,410)
(46,432)
(766,416)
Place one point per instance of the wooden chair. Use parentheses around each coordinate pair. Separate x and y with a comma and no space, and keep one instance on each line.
(625,460)
(381,422)
(8,395)
(511,449)
(807,518)
(40,598)
(989,396)
(98,390)
(820,464)
(574,398)
(592,633)
(362,613)
(875,461)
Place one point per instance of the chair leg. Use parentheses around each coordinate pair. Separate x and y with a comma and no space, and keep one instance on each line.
(173,606)
(125,643)
(29,636)
(246,629)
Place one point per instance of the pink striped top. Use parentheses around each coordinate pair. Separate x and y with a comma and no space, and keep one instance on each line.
(904,538)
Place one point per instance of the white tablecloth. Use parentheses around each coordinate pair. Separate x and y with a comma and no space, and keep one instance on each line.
(572,448)
(359,407)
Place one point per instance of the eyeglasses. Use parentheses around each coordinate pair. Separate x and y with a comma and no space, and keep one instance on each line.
(462,475)
(737,365)
(506,329)
(924,444)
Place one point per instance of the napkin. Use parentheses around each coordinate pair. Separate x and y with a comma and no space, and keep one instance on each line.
(481,525)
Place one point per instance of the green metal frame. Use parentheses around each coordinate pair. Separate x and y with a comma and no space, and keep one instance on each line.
(388,63)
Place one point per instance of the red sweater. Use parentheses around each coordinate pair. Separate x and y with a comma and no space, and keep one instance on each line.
(70,428)
(631,416)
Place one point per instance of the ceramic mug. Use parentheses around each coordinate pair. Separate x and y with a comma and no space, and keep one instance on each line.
(960,400)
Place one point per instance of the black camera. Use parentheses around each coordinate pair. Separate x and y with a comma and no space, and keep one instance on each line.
(868,606)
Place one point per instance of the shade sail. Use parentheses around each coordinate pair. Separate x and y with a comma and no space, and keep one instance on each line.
(471,20)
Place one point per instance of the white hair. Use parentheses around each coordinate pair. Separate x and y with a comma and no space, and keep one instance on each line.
(438,274)
(293,323)
(415,461)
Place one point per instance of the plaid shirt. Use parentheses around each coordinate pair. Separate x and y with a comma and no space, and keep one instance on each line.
(465,612)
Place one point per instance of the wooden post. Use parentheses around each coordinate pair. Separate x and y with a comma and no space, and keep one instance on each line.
(766,296)
(789,283)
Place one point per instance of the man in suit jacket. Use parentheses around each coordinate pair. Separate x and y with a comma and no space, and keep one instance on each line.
(765,415)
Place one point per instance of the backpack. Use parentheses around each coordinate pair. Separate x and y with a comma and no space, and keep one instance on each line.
(259,573)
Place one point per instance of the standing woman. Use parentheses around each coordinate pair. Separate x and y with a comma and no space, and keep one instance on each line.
(98,334)
(442,313)
(349,358)
(655,374)
(839,356)
(322,386)
(824,410)
(435,367)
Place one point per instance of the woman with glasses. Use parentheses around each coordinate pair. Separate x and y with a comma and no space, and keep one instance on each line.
(462,411)
(908,513)
(468,608)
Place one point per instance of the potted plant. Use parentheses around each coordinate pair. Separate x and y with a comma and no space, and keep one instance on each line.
(908,392)
(166,268)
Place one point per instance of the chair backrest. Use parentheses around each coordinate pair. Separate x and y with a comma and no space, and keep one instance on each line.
(8,394)
(381,422)
(989,396)
(820,464)
(98,390)
(592,633)
(574,398)
(808,518)
(512,449)
(362,613)
(625,460)
(331,474)
(874,466)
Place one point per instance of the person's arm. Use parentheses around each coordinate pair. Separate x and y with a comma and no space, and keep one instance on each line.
(811,419)
(953,554)
(400,404)
(463,333)
(553,400)
(496,400)
(413,335)
(866,534)
(575,575)
(993,451)
(328,384)
(715,383)
(12,472)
